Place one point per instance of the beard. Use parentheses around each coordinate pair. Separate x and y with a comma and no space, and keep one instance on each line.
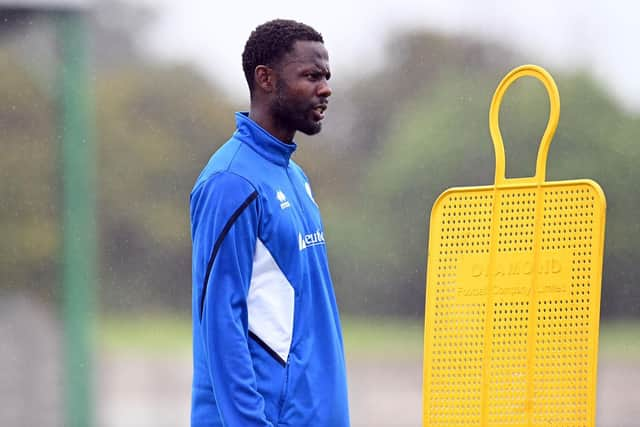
(294,114)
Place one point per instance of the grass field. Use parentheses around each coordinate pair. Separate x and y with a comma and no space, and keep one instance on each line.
(151,333)
(144,371)
(364,337)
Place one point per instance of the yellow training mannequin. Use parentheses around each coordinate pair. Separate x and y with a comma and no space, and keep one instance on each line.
(513,294)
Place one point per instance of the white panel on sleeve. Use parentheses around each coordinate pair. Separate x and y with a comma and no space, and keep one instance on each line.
(270,303)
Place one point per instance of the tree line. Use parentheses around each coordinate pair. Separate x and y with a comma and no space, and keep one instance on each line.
(393,141)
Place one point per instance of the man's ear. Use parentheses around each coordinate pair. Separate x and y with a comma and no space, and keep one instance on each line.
(265,78)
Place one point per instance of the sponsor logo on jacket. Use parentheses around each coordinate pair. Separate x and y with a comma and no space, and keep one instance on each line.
(311,239)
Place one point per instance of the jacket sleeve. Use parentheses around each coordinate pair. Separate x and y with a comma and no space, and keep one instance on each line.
(224,218)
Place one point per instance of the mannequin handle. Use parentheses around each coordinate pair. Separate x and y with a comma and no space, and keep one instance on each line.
(554,117)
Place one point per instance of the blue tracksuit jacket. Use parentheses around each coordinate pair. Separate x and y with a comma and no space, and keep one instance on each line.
(267,343)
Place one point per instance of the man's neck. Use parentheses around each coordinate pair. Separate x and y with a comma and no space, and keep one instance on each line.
(266,121)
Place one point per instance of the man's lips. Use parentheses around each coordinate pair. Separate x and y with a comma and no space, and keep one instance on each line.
(318,111)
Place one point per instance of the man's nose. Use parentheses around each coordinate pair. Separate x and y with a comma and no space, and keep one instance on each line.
(324,90)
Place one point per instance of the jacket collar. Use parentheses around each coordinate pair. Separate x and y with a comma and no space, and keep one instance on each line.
(262,142)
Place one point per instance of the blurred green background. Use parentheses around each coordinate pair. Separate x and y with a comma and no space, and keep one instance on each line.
(394,140)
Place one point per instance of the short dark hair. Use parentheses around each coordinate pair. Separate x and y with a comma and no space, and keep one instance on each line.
(269,42)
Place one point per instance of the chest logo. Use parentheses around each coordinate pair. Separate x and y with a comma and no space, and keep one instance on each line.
(311,239)
(284,203)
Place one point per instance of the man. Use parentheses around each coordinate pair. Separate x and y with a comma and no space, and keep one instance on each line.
(267,343)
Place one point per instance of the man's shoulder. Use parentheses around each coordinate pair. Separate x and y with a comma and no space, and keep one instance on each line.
(238,157)
(229,157)
(221,193)
(223,181)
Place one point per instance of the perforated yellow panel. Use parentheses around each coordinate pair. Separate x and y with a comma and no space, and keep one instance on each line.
(513,295)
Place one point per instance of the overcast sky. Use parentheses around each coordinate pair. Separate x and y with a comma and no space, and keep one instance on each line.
(601,35)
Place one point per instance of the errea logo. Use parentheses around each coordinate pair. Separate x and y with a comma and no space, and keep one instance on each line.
(311,239)
(284,203)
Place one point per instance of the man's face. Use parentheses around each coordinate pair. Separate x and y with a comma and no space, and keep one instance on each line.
(302,90)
